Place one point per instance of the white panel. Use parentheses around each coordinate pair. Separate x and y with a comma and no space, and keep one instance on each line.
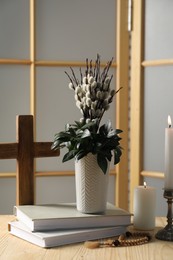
(73,30)
(161,203)
(14,100)
(62,189)
(56,107)
(14,29)
(111,189)
(8,195)
(158,29)
(158,104)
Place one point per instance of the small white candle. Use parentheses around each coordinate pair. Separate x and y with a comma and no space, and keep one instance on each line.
(144,207)
(169,155)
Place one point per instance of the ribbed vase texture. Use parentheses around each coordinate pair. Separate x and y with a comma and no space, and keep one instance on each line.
(91,185)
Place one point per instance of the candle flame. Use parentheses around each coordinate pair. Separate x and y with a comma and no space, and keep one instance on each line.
(145,185)
(169,122)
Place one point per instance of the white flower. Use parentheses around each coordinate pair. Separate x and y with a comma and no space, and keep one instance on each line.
(79,104)
(87,88)
(84,106)
(81,120)
(88,120)
(107,80)
(106,94)
(70,85)
(80,95)
(88,95)
(88,76)
(90,80)
(85,80)
(77,89)
(84,86)
(94,84)
(99,94)
(84,100)
(76,97)
(88,102)
(81,111)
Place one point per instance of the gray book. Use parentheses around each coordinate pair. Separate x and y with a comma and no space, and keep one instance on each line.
(62,237)
(66,216)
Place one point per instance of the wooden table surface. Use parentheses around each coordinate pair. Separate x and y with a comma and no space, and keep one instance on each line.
(12,248)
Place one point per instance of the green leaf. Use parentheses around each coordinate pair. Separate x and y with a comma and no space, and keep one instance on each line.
(118,131)
(55,145)
(81,154)
(68,156)
(103,130)
(108,155)
(65,136)
(102,162)
(112,133)
(108,126)
(86,133)
(117,155)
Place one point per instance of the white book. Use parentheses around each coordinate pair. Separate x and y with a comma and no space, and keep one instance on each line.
(66,216)
(63,237)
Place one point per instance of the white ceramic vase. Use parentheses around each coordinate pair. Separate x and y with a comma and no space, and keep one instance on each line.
(91,185)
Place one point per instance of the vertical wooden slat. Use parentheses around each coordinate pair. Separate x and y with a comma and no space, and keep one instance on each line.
(25,167)
(33,70)
(136,114)
(32,58)
(122,101)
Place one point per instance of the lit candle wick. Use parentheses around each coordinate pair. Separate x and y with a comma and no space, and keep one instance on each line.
(145,185)
(169,122)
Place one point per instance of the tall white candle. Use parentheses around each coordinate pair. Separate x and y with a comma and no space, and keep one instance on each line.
(169,155)
(144,207)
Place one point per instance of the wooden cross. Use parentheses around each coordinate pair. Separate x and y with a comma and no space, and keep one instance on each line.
(24,151)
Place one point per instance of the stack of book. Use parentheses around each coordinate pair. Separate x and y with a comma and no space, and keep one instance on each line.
(61,224)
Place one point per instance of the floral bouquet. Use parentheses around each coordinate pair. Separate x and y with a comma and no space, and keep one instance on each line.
(93,96)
